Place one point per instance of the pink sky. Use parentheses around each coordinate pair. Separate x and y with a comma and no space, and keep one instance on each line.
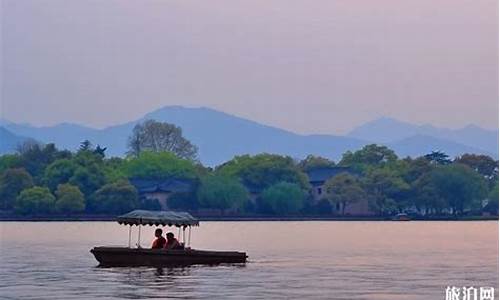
(311,67)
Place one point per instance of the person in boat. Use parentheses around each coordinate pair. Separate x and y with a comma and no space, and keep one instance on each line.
(160,241)
(172,242)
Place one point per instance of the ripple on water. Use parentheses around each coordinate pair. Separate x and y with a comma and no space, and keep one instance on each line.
(349,260)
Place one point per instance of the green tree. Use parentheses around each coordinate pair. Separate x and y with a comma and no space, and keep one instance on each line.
(369,155)
(86,145)
(59,172)
(386,190)
(88,179)
(282,198)
(118,197)
(89,175)
(86,157)
(9,161)
(12,182)
(85,170)
(458,186)
(492,205)
(438,157)
(426,197)
(263,170)
(36,157)
(159,165)
(482,164)
(114,169)
(312,162)
(160,137)
(222,193)
(415,168)
(344,189)
(101,151)
(35,200)
(69,199)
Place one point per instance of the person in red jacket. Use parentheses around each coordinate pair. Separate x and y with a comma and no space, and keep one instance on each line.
(160,241)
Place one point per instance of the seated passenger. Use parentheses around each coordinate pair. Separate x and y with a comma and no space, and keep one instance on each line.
(172,242)
(160,241)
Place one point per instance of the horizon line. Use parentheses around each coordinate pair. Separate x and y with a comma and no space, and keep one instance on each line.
(382,117)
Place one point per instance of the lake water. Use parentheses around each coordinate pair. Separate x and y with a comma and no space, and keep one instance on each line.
(287,260)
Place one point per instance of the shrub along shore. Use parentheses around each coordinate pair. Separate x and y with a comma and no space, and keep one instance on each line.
(42,182)
(11,217)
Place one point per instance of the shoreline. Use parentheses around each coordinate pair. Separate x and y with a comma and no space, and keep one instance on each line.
(110,218)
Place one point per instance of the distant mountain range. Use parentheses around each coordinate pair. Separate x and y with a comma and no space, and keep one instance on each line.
(387,130)
(9,140)
(220,136)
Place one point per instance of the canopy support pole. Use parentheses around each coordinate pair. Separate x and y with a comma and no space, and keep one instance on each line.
(179,234)
(139,237)
(189,237)
(129,235)
(184,235)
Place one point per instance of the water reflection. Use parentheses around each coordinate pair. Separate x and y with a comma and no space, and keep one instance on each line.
(144,276)
(172,282)
(140,282)
(173,271)
(344,260)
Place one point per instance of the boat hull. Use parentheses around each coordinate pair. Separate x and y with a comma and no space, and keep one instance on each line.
(402,219)
(127,257)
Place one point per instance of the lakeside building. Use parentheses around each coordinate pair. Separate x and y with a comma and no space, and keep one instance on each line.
(317,179)
(160,189)
(163,189)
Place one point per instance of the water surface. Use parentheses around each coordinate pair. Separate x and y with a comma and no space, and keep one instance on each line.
(313,260)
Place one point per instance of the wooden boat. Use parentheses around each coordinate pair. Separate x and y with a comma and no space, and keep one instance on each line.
(125,257)
(401,217)
(138,256)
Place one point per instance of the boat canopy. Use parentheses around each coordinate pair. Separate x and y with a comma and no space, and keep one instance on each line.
(147,217)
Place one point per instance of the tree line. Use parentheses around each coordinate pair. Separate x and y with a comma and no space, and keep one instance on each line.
(41,179)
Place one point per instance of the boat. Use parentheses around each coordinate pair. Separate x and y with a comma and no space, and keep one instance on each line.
(108,256)
(401,217)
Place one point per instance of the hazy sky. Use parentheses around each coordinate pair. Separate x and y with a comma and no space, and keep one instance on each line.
(320,66)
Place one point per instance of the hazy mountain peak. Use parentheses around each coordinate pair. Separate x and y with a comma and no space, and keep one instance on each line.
(220,136)
(384,129)
(183,109)
(9,141)
(389,130)
(175,110)
(210,118)
(420,144)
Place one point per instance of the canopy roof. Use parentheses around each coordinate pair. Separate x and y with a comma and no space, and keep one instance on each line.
(147,217)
